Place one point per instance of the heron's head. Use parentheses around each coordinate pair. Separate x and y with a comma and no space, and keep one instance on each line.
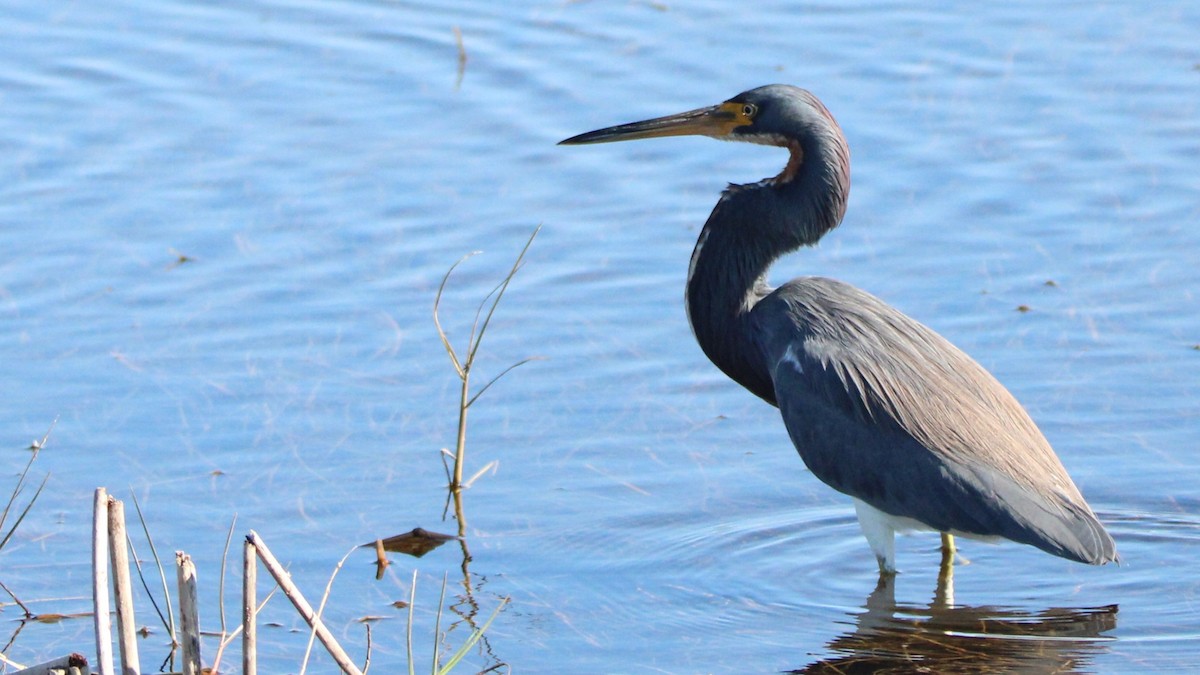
(777,114)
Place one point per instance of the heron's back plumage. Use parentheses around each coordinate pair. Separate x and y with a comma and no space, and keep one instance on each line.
(886,410)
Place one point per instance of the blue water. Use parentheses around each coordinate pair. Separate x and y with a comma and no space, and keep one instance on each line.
(222,227)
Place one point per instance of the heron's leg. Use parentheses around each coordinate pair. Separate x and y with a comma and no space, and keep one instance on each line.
(881,535)
(950,551)
(944,596)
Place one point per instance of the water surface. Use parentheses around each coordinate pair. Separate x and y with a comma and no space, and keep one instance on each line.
(222,227)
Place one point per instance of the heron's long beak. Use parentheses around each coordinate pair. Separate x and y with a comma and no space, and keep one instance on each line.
(717,120)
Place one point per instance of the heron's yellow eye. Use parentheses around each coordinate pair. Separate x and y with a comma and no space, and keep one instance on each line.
(733,114)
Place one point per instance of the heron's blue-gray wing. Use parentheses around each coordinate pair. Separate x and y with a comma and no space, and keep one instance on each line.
(884,409)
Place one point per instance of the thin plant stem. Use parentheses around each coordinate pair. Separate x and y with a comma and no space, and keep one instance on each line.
(462,365)
(24,512)
(460,447)
(412,599)
(367,658)
(169,622)
(224,569)
(312,636)
(227,639)
(36,447)
(437,627)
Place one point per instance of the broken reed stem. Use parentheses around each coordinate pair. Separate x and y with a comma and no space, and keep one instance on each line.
(306,611)
(122,588)
(189,616)
(73,663)
(101,619)
(249,611)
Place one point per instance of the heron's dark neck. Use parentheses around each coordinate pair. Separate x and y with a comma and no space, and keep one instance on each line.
(751,227)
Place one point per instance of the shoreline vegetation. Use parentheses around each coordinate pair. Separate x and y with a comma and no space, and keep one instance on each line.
(114,561)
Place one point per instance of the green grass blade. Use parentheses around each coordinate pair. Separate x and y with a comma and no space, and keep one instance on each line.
(470,643)
(437,628)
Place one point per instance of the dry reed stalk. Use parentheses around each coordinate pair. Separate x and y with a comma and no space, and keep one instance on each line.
(122,588)
(101,619)
(189,616)
(306,611)
(249,611)
(59,665)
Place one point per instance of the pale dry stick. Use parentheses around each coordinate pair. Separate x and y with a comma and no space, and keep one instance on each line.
(189,616)
(293,593)
(321,607)
(9,662)
(59,665)
(249,611)
(101,619)
(122,588)
(412,600)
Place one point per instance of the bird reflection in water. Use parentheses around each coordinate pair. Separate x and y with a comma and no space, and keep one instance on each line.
(944,638)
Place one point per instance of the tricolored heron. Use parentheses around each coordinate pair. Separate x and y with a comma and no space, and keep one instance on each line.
(879,406)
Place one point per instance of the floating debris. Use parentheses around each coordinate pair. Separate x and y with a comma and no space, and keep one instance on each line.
(462,57)
(180,259)
(416,543)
